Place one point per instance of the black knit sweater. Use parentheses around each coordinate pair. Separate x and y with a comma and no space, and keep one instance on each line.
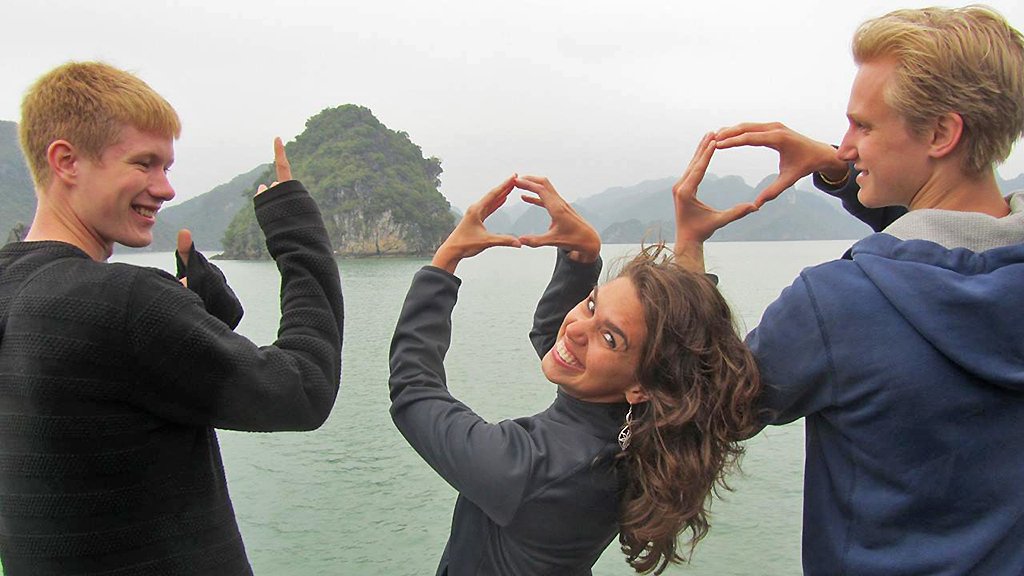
(112,378)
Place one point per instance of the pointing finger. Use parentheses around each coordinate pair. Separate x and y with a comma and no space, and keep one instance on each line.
(539,185)
(532,200)
(497,196)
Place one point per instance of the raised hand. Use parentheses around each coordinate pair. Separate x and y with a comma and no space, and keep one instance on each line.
(470,236)
(799,156)
(281,167)
(207,281)
(184,249)
(568,230)
(695,220)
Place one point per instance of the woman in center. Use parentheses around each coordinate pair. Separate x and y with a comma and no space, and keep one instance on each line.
(655,392)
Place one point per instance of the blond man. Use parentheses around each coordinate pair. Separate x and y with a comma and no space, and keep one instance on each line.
(113,377)
(906,358)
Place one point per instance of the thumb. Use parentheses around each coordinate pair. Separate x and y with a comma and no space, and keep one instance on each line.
(184,244)
(504,240)
(535,240)
(772,191)
(738,211)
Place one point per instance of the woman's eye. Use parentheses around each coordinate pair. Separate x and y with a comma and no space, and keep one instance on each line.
(591,305)
(609,339)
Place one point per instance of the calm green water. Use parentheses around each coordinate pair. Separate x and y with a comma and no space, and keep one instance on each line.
(353,498)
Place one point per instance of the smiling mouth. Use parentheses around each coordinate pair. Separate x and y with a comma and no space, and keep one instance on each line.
(148,213)
(565,356)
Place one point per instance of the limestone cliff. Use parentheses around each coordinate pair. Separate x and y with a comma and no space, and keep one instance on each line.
(377,192)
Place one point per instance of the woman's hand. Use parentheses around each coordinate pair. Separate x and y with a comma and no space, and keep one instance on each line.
(471,237)
(568,229)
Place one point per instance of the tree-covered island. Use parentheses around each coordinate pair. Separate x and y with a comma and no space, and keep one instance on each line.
(377,193)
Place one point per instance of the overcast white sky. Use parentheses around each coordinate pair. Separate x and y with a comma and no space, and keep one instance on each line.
(592,94)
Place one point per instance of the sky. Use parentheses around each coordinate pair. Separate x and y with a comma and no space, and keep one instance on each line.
(592,94)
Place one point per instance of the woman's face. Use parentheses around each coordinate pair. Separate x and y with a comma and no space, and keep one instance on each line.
(597,352)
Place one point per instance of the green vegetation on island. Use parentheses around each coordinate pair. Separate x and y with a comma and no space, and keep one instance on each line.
(17,193)
(377,192)
(206,215)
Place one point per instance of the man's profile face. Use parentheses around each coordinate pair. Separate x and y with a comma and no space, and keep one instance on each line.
(893,161)
(118,195)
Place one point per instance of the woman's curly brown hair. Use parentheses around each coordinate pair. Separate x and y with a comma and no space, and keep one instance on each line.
(702,382)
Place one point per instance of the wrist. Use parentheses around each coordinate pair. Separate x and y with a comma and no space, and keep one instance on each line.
(834,171)
(835,177)
(445,259)
(585,254)
(689,254)
(582,258)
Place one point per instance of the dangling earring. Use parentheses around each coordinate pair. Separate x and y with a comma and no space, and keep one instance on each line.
(625,433)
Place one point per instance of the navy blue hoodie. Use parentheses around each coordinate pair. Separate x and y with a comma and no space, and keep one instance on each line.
(907,361)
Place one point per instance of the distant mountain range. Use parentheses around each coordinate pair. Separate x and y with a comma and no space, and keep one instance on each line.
(17,199)
(206,215)
(645,213)
(629,214)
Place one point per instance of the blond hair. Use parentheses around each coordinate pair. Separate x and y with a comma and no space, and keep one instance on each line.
(964,60)
(88,104)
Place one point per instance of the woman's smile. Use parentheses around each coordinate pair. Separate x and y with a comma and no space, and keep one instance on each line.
(564,356)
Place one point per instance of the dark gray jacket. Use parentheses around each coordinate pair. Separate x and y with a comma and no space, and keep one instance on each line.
(537,495)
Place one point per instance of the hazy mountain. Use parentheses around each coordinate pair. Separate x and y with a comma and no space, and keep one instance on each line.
(644,212)
(1012,184)
(630,214)
(17,193)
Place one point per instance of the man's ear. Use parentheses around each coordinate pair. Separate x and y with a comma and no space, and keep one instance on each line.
(636,395)
(946,135)
(63,160)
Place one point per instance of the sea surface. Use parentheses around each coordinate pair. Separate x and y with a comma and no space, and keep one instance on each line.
(352,498)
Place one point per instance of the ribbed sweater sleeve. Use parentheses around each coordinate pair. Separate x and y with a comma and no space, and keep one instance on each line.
(490,464)
(202,373)
(209,283)
(570,283)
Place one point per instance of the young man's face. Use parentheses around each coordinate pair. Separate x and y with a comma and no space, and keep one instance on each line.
(118,196)
(893,161)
